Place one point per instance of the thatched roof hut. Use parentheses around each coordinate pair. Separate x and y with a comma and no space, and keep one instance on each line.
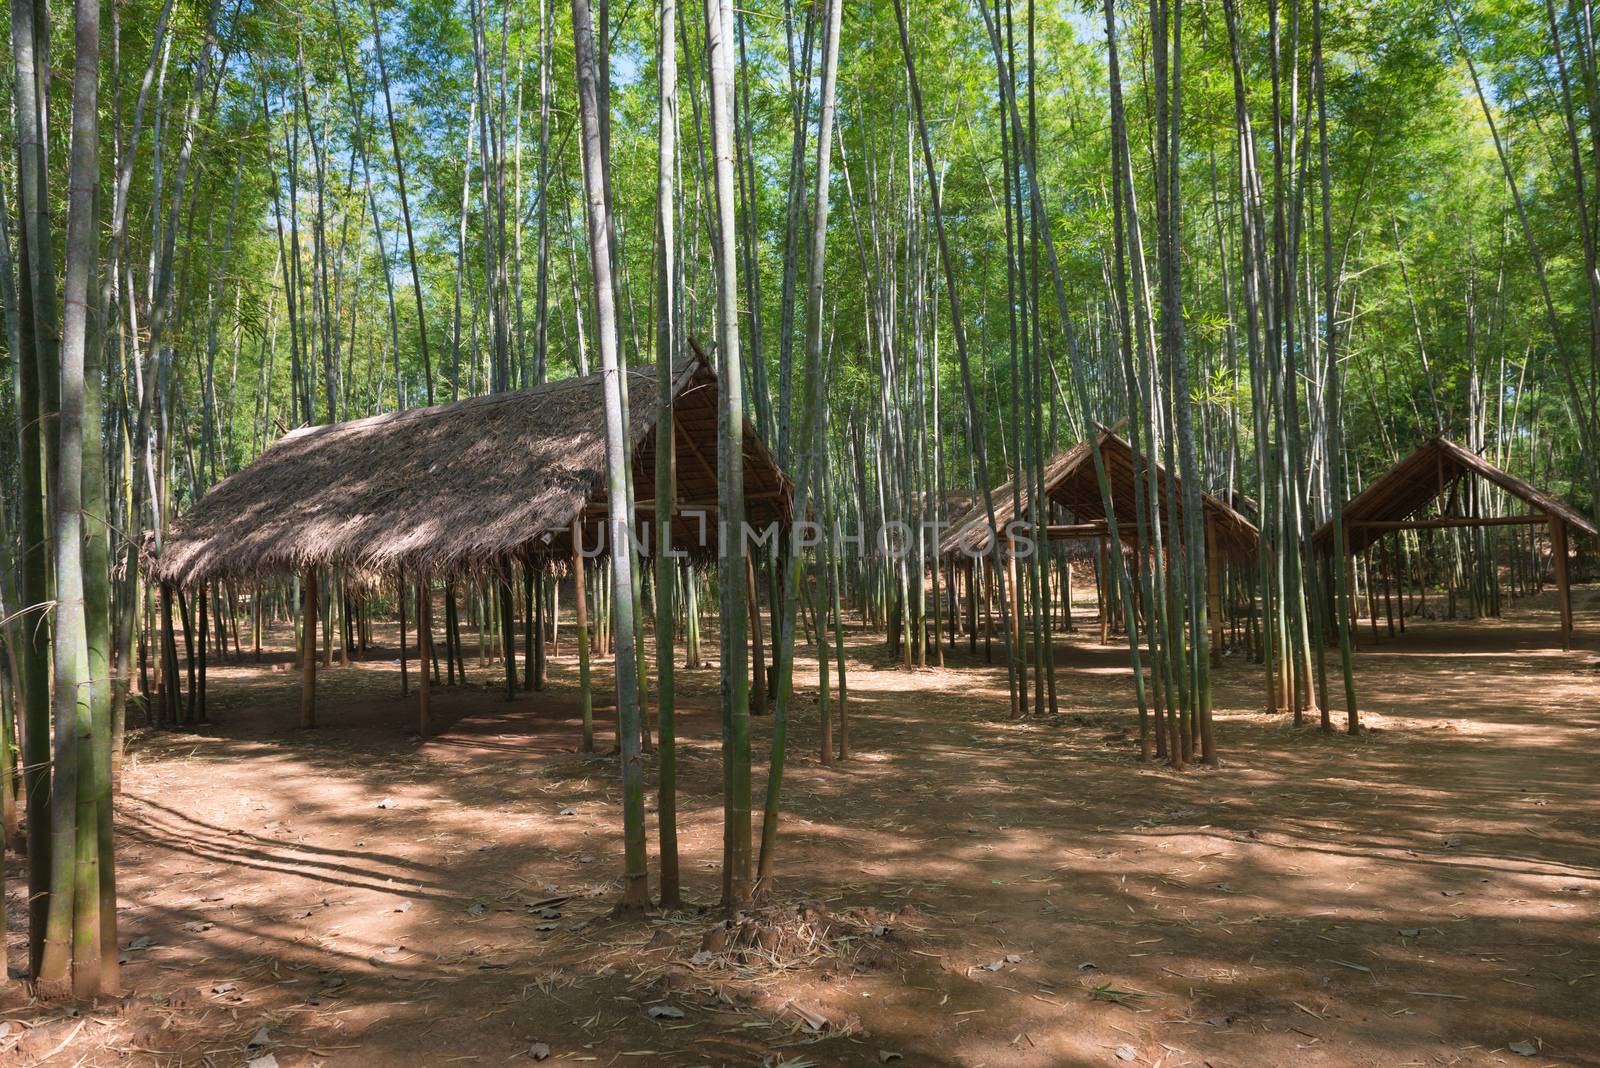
(1070,483)
(460,487)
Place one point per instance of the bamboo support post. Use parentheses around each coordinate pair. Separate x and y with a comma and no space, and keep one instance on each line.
(581,594)
(1558,551)
(758,655)
(308,652)
(1350,589)
(400,595)
(1014,638)
(972,606)
(1214,594)
(1103,591)
(424,655)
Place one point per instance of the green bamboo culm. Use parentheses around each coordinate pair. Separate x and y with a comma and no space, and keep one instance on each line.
(667,342)
(636,891)
(71,960)
(735,661)
(810,452)
(38,398)
(97,901)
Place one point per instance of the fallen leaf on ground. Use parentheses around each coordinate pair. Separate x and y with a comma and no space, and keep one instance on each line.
(1350,964)
(1106,992)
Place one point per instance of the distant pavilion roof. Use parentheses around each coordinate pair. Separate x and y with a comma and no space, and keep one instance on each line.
(1416,481)
(1070,481)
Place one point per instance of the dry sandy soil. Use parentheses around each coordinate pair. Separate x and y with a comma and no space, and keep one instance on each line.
(975,891)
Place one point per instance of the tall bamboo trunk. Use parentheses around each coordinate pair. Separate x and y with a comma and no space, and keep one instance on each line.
(636,892)
(736,875)
(38,368)
(811,448)
(667,333)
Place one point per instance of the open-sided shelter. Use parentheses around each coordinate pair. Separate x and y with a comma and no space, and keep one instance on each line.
(1071,483)
(1072,490)
(466,488)
(1396,500)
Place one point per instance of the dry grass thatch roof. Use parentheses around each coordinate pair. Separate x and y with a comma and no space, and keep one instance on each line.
(1071,483)
(456,487)
(1412,483)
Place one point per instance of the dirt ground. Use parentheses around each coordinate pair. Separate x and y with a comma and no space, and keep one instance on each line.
(967,890)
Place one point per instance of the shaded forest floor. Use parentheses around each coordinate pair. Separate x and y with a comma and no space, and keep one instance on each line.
(978,891)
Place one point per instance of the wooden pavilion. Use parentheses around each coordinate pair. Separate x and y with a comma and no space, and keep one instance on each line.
(1075,510)
(1441,468)
(480,487)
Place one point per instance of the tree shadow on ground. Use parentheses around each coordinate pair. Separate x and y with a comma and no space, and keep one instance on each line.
(1424,892)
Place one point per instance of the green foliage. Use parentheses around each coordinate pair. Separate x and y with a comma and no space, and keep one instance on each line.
(1416,186)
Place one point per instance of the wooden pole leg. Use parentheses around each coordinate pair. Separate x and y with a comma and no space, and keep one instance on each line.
(1558,550)
(1214,595)
(308,653)
(1103,591)
(400,596)
(424,655)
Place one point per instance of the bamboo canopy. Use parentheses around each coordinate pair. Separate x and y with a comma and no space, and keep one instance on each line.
(1070,482)
(1395,497)
(463,487)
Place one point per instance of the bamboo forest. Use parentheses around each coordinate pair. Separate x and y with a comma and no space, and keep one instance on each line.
(974,533)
